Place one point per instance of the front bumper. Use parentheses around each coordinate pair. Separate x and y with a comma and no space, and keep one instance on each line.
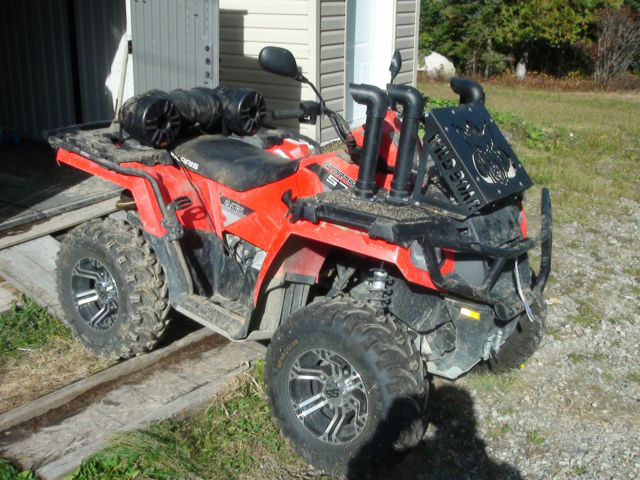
(452,283)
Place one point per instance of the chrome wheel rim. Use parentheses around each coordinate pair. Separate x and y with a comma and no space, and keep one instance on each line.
(95,293)
(328,396)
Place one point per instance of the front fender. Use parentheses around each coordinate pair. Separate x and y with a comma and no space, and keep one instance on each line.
(302,247)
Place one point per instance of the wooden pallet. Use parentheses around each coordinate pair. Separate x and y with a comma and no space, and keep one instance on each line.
(30,267)
(8,295)
(57,223)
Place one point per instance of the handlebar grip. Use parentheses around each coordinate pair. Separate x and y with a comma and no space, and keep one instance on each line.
(284,114)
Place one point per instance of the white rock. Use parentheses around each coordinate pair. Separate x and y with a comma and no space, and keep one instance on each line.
(438,66)
(521,69)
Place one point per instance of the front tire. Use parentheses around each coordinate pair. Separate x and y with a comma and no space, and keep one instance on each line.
(522,343)
(112,289)
(346,387)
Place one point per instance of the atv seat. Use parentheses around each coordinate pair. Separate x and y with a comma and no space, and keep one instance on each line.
(233,163)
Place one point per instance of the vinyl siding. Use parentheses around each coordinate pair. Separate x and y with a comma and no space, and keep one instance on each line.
(406,39)
(333,18)
(332,52)
(246,26)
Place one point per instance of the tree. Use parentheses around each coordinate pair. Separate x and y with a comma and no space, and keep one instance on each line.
(617,45)
(484,36)
(539,27)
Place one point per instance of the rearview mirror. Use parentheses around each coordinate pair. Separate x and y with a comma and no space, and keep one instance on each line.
(396,64)
(279,61)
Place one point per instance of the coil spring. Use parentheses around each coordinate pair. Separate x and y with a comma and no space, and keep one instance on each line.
(379,291)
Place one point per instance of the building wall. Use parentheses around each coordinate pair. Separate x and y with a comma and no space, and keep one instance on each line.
(99,28)
(332,40)
(333,18)
(36,83)
(54,60)
(246,26)
(175,44)
(406,39)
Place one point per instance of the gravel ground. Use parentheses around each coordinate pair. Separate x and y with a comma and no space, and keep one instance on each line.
(573,411)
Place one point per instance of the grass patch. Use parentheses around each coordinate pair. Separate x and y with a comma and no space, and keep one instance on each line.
(583,146)
(579,357)
(498,431)
(233,438)
(579,469)
(634,377)
(26,328)
(587,316)
(38,355)
(534,438)
(487,382)
(555,333)
(9,472)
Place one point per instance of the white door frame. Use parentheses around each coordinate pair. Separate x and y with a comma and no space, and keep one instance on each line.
(378,52)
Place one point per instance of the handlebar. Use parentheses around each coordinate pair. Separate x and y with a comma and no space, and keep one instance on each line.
(288,113)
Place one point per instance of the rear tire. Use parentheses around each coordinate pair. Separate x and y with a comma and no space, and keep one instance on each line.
(346,387)
(521,344)
(112,289)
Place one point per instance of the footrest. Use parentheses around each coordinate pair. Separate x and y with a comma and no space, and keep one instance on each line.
(216,317)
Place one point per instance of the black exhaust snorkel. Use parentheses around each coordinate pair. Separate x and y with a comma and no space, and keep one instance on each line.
(412,106)
(377,103)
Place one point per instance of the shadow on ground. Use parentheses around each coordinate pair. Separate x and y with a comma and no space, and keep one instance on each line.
(452,449)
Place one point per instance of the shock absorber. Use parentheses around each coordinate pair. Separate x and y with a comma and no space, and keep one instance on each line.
(379,290)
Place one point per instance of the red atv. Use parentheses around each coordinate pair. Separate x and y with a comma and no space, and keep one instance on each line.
(368,268)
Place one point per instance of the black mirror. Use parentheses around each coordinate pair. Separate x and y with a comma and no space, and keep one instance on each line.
(396,64)
(279,61)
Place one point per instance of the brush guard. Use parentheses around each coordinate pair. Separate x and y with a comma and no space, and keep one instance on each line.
(455,284)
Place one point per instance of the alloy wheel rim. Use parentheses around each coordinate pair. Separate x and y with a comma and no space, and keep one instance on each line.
(95,293)
(328,396)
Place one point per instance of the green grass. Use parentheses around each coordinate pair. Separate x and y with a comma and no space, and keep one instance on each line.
(584,146)
(579,469)
(226,441)
(9,472)
(634,377)
(487,382)
(534,437)
(27,327)
(579,357)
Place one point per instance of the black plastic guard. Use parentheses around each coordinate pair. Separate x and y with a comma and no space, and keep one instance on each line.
(472,156)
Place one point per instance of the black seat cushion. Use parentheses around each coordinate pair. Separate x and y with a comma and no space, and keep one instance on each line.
(233,163)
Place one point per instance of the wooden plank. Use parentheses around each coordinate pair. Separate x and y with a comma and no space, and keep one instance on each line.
(66,394)
(230,356)
(59,222)
(30,268)
(8,296)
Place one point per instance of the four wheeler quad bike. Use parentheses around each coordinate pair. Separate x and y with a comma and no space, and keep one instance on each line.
(368,268)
